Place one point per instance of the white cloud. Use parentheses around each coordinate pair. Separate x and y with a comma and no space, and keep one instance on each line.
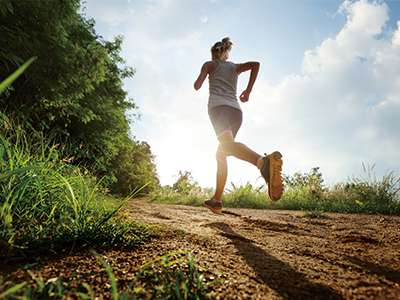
(396,36)
(111,16)
(364,17)
(343,109)
(203,19)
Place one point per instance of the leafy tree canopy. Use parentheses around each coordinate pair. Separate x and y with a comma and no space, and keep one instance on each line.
(73,91)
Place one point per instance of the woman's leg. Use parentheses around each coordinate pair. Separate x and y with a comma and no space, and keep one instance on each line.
(226,122)
(238,150)
(228,147)
(222,174)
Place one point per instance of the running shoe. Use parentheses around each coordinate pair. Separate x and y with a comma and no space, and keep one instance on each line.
(214,205)
(271,171)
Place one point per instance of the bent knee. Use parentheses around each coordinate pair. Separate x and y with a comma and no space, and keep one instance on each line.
(226,136)
(226,147)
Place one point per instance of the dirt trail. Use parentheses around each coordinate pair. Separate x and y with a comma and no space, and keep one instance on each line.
(263,254)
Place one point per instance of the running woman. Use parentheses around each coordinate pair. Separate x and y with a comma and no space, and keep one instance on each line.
(226,117)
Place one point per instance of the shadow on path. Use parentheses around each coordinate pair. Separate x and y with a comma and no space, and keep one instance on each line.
(276,274)
(379,270)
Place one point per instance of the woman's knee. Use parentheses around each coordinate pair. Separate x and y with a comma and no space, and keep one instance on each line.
(226,142)
(220,155)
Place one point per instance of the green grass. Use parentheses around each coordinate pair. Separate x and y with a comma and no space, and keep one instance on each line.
(47,204)
(174,275)
(304,192)
(10,79)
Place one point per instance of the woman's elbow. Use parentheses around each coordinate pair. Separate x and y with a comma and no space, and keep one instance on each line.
(197,86)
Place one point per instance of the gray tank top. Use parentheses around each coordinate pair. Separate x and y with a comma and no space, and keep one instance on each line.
(223,84)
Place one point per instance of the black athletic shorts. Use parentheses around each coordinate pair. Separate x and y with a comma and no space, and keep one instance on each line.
(225,118)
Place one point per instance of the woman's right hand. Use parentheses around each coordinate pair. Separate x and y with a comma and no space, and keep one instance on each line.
(244,96)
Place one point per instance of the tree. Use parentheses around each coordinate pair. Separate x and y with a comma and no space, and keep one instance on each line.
(73,92)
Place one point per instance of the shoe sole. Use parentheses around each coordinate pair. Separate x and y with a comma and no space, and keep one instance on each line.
(217,211)
(275,160)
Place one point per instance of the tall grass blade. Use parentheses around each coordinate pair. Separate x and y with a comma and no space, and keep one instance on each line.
(12,290)
(10,79)
(111,276)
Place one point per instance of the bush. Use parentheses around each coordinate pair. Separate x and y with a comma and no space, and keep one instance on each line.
(184,191)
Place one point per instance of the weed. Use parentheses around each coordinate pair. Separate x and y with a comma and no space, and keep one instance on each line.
(307,192)
(174,275)
(314,214)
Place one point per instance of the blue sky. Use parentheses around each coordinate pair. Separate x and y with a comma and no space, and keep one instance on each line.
(327,92)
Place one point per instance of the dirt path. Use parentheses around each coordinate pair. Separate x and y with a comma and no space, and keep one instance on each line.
(256,254)
(264,254)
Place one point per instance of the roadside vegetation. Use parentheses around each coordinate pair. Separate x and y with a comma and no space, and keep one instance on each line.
(306,191)
(72,93)
(174,275)
(65,151)
(48,204)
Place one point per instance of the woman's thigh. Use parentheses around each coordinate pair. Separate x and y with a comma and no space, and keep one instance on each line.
(225,118)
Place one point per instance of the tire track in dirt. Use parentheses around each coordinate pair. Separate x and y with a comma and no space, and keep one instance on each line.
(265,254)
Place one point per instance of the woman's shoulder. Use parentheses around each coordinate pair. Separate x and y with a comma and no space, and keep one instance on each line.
(210,62)
(210,65)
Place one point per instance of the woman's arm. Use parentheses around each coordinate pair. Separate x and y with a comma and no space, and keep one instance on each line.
(205,70)
(254,66)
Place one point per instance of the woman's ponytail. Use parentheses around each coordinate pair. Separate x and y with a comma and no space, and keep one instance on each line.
(221,47)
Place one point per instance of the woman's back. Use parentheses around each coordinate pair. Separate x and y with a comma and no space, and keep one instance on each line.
(223,85)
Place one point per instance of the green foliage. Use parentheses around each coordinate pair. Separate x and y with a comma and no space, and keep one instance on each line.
(46,203)
(171,276)
(185,190)
(54,288)
(74,90)
(305,192)
(314,214)
(245,196)
(312,181)
(134,167)
(185,184)
(111,276)
(370,194)
(174,275)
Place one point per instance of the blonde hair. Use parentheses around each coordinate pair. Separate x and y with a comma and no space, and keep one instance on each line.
(221,48)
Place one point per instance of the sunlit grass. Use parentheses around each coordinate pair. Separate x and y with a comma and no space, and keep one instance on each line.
(367,194)
(46,204)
